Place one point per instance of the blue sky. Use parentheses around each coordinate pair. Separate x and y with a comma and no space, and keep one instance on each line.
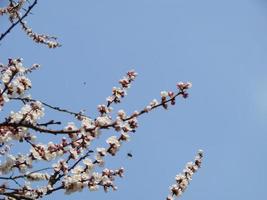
(220,46)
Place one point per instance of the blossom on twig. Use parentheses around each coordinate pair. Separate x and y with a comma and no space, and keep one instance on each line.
(183,179)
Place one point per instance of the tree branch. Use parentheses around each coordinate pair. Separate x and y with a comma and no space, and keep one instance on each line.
(3,35)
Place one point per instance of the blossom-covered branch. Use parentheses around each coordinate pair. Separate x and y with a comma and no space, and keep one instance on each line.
(75,165)
(183,179)
(16,14)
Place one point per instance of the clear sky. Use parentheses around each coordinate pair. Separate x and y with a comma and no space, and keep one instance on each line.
(218,45)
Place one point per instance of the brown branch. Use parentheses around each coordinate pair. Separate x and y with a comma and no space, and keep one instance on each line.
(62,131)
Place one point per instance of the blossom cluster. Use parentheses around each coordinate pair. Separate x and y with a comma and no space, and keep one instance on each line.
(182,179)
(16,13)
(21,162)
(120,92)
(12,9)
(13,82)
(83,177)
(29,113)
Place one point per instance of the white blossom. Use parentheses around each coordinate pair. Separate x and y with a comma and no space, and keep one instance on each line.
(113,141)
(103,121)
(37,176)
(164,94)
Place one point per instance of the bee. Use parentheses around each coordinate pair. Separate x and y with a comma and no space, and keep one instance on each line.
(129,154)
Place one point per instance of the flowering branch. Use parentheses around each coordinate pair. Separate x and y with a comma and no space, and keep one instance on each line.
(183,179)
(10,10)
(74,161)
(13,10)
